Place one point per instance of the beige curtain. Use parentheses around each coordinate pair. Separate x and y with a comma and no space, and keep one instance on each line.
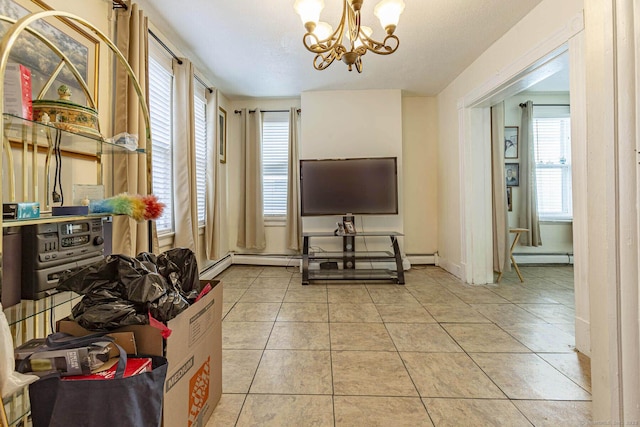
(293,228)
(528,187)
(251,222)
(131,173)
(184,157)
(499,192)
(213,225)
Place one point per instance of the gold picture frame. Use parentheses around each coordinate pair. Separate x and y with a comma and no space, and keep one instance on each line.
(80,46)
(222,135)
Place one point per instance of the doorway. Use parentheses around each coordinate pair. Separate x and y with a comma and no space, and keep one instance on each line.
(477,159)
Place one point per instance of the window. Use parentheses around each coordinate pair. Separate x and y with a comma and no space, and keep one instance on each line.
(275,155)
(160,110)
(552,145)
(200,118)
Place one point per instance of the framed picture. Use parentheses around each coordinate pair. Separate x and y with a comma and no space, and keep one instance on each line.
(222,134)
(509,200)
(80,46)
(512,174)
(511,142)
(349,228)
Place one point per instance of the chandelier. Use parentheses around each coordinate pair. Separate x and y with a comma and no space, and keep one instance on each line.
(329,45)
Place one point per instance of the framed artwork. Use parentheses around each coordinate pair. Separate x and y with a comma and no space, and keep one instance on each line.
(511,142)
(512,174)
(80,46)
(222,135)
(349,227)
(509,200)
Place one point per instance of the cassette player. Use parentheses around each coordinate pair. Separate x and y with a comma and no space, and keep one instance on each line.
(53,248)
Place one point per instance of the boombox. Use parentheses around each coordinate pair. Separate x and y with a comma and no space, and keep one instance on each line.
(53,248)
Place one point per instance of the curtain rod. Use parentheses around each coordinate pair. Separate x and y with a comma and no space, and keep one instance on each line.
(120,4)
(547,105)
(177,59)
(268,111)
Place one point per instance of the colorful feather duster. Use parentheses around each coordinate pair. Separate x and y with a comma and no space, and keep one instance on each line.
(136,206)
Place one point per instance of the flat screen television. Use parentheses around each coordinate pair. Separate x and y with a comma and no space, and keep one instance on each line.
(362,186)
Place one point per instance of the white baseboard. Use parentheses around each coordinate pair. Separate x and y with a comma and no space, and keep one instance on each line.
(543,258)
(583,336)
(449,266)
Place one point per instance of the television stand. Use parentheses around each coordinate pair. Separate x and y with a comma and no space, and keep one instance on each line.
(350,259)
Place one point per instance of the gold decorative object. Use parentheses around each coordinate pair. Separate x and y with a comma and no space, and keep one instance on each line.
(328,44)
(67,115)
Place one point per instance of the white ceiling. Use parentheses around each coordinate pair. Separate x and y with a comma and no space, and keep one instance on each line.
(253,48)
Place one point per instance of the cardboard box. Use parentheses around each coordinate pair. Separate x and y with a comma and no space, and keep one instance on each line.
(193,385)
(17,91)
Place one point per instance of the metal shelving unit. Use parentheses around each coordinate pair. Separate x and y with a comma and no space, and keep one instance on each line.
(31,319)
(350,258)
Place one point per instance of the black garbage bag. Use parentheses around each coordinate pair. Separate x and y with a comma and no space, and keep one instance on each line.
(179,267)
(120,291)
(114,272)
(102,315)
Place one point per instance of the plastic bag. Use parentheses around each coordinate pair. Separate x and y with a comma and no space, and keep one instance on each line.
(120,290)
(179,267)
(10,380)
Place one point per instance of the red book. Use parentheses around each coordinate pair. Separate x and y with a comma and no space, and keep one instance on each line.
(135,366)
(17,91)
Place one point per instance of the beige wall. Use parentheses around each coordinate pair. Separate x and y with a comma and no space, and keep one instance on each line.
(495,63)
(420,174)
(406,128)
(350,124)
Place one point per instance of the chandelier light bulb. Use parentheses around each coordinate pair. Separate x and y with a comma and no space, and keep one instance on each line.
(309,11)
(388,12)
(323,31)
(367,32)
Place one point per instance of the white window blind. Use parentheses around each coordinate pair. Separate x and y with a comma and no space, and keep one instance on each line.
(200,119)
(160,111)
(275,153)
(552,144)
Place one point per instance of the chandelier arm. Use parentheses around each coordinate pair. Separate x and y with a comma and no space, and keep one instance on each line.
(323,60)
(354,25)
(381,48)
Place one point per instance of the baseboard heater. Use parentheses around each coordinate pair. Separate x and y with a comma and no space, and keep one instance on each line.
(543,258)
(216,268)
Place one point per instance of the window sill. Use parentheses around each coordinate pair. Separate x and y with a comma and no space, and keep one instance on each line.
(556,220)
(166,238)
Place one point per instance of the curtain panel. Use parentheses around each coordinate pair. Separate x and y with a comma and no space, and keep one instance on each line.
(185,192)
(529,218)
(293,227)
(251,234)
(131,173)
(499,197)
(213,216)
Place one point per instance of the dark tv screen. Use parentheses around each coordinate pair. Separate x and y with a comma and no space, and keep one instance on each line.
(364,186)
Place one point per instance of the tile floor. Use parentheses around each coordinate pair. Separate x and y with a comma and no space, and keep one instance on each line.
(434,352)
